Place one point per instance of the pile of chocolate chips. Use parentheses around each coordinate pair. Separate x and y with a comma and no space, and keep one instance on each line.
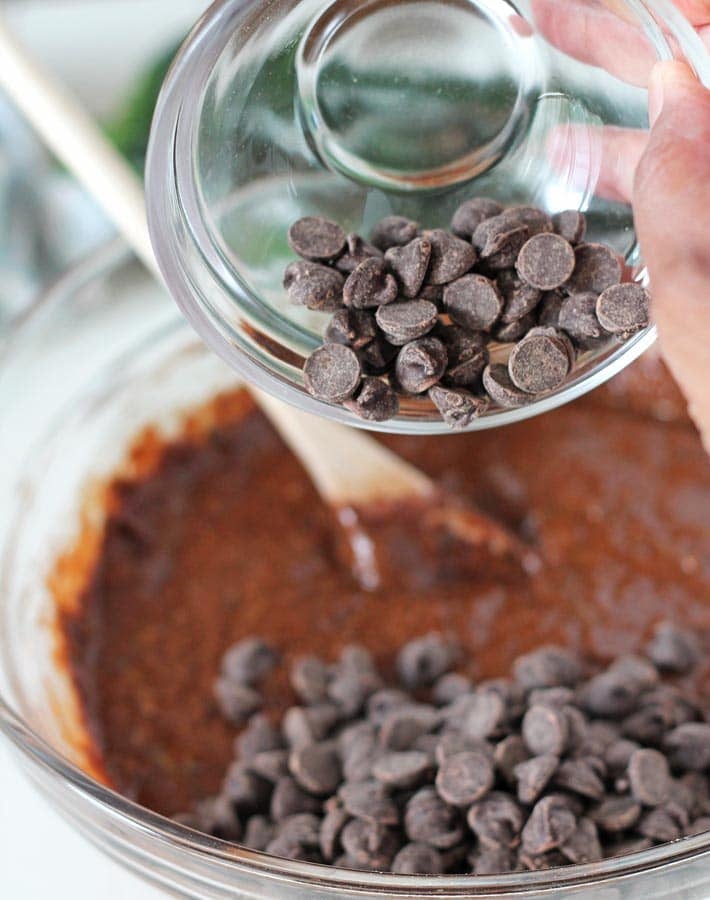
(431,774)
(414,311)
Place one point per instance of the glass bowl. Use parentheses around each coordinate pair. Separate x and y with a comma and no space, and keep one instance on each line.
(357,109)
(127,359)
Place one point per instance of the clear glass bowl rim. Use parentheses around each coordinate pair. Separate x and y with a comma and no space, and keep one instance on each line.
(171,192)
(33,748)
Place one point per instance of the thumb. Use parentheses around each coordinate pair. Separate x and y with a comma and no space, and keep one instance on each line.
(672,213)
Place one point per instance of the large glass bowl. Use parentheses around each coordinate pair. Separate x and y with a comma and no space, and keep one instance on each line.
(356,109)
(103,354)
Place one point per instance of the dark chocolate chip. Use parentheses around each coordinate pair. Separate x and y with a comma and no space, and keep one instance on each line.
(393,231)
(270,764)
(473,302)
(406,321)
(618,754)
(316,767)
(409,264)
(383,702)
(450,686)
(418,859)
(458,407)
(370,843)
(247,790)
(548,310)
(421,661)
(357,250)
(428,819)
(471,213)
(310,678)
(699,826)
(673,649)
(333,822)
(332,373)
(401,727)
(377,356)
(537,221)
(548,666)
(369,800)
(580,777)
(236,701)
(520,298)
(375,401)
(509,334)
(533,776)
(258,736)
(403,770)
(450,256)
(689,746)
(307,725)
(259,832)
(350,689)
(609,694)
(217,816)
(314,237)
(583,846)
(624,309)
(571,225)
(464,778)
(482,714)
(540,362)
(467,355)
(501,389)
(660,825)
(496,820)
(578,318)
(550,825)
(546,261)
(355,328)
(508,754)
(597,267)
(314,286)
(369,285)
(500,242)
(545,730)
(494,860)
(421,364)
(616,813)
(649,777)
(249,661)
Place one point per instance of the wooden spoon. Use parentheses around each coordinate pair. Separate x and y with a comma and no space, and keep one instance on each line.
(351,471)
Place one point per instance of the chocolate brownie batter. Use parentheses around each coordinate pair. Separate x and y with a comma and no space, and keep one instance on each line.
(226,538)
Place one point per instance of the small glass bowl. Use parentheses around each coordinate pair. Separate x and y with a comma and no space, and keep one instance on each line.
(126,360)
(357,109)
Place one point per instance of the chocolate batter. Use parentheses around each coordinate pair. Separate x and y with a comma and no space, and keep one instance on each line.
(227,538)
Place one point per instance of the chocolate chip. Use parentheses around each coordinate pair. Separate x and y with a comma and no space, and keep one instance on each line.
(288,799)
(580,777)
(369,285)
(482,715)
(552,696)
(450,256)
(467,354)
(350,689)
(649,777)
(535,220)
(270,764)
(332,373)
(259,832)
(450,686)
(548,666)
(451,743)
(331,827)
(406,321)
(496,820)
(355,328)
(464,778)
(258,736)
(609,694)
(499,242)
(393,231)
(673,649)
(699,826)
(236,701)
(492,861)
(471,213)
(548,310)
(508,754)
(247,790)
(597,267)
(434,293)
(377,356)
(509,334)
(382,702)
(520,298)
(429,820)
(418,859)
(501,389)
(369,800)
(310,678)
(616,813)
(369,843)
(659,825)
(546,261)
(217,816)
(689,746)
(571,225)
(624,309)
(540,362)
(359,756)
(473,302)
(375,401)
(314,286)
(314,237)
(618,754)
(406,769)
(303,726)
(545,730)
(401,727)
(578,318)
(533,776)
(421,661)
(249,661)
(420,365)
(550,825)
(458,407)
(316,768)
(637,669)
(583,846)
(357,250)
(409,264)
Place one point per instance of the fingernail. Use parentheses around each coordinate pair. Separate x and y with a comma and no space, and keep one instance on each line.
(667,78)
